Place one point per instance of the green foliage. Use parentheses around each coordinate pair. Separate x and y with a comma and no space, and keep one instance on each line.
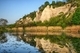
(76,43)
(59,3)
(3,23)
(76,17)
(25,16)
(74,2)
(31,24)
(46,3)
(11,25)
(2,29)
(32,15)
(54,21)
(53,4)
(41,8)
(46,23)
(60,20)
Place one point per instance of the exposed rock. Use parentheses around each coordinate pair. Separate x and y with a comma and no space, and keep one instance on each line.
(25,21)
(46,14)
(38,15)
(28,20)
(49,12)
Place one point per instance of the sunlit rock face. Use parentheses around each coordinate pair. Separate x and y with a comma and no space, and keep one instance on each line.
(27,20)
(46,14)
(48,47)
(38,15)
(49,12)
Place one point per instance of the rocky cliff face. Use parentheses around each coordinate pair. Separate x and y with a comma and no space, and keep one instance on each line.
(49,12)
(38,16)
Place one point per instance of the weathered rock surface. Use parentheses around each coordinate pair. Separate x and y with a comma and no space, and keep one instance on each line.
(49,12)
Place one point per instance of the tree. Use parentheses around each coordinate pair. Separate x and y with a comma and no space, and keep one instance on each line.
(3,22)
(60,3)
(46,3)
(41,8)
(53,4)
(32,15)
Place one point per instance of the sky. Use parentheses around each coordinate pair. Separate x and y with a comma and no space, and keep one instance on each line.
(13,10)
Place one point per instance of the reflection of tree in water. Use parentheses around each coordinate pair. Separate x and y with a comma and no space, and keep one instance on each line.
(31,40)
(26,39)
(41,50)
(3,38)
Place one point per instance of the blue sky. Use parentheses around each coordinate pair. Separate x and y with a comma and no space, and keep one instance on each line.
(12,10)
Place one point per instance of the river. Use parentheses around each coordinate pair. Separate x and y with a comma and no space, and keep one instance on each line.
(13,44)
(28,43)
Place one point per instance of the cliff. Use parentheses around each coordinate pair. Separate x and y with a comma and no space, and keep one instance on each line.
(49,12)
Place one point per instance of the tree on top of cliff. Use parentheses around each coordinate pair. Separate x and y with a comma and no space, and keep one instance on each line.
(41,8)
(54,4)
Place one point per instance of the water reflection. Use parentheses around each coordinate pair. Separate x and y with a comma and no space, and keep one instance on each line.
(50,43)
(3,38)
(16,45)
(41,43)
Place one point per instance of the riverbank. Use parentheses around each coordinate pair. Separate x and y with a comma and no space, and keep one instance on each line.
(69,29)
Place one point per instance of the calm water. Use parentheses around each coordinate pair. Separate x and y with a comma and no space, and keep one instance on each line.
(39,43)
(13,44)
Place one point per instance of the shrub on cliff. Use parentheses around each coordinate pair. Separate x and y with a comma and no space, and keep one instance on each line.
(76,17)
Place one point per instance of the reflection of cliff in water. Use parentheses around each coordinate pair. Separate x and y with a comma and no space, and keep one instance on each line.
(49,47)
(50,43)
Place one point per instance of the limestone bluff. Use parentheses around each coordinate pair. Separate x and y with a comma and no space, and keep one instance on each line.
(49,12)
